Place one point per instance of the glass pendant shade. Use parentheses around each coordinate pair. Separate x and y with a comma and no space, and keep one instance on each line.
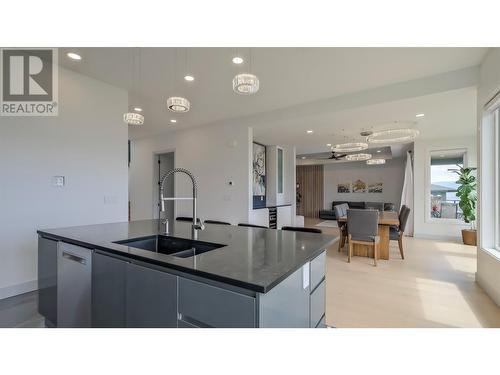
(178,104)
(358,157)
(350,147)
(393,136)
(131,118)
(245,84)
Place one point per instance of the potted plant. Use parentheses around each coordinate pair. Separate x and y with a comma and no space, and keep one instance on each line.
(467,193)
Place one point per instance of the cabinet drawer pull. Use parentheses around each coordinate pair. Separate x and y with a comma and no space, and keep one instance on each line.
(74,258)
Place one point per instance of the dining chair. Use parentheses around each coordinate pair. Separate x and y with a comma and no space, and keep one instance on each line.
(184,218)
(340,211)
(397,233)
(301,229)
(217,222)
(362,228)
(251,225)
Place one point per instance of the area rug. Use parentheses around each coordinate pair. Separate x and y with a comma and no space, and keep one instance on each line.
(328,224)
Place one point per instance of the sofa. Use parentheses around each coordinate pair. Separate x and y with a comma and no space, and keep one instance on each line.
(381,206)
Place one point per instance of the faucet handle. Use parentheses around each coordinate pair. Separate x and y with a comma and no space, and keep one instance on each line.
(200,224)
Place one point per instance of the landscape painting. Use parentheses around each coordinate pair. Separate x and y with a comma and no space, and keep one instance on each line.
(259,175)
(359,186)
(375,187)
(344,188)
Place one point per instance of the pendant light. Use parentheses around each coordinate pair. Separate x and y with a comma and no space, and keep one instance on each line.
(350,147)
(375,161)
(133,118)
(358,157)
(246,83)
(401,135)
(177,104)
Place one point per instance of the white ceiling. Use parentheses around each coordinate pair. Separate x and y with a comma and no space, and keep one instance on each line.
(288,77)
(447,114)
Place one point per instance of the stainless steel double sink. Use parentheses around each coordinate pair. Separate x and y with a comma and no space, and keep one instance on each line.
(177,247)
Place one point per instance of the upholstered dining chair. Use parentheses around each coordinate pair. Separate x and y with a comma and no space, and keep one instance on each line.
(362,228)
(251,225)
(397,233)
(184,218)
(341,210)
(217,222)
(301,229)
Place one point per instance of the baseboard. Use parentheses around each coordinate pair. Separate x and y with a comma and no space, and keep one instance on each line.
(437,237)
(14,290)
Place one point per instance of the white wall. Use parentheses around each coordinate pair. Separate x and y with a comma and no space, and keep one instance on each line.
(423,225)
(86,143)
(214,154)
(488,260)
(390,174)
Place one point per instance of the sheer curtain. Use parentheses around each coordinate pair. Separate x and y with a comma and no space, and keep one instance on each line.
(407,194)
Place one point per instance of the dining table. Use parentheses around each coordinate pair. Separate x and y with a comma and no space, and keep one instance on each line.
(386,219)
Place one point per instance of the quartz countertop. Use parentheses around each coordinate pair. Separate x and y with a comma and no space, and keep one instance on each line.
(253,258)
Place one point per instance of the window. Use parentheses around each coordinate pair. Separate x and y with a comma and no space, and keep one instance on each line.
(497,179)
(280,171)
(443,202)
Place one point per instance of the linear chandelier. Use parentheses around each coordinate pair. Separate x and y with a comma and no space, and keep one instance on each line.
(393,136)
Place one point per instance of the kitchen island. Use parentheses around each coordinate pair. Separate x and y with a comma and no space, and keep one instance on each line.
(132,275)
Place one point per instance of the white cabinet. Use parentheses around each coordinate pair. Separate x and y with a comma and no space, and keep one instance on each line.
(284,216)
(259,217)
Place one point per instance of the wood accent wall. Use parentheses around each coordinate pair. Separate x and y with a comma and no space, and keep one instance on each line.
(310,185)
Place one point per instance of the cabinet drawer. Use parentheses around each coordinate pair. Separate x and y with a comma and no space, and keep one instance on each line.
(317,305)
(215,307)
(318,269)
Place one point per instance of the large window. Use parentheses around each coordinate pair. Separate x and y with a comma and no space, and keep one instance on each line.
(443,202)
(497,179)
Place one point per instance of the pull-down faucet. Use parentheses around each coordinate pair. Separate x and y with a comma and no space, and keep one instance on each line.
(197,223)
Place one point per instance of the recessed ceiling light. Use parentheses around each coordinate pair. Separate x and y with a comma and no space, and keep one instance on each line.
(328,145)
(74,56)
(173,121)
(441,156)
(309,132)
(189,78)
(237,60)
(138,109)
(303,157)
(379,151)
(420,115)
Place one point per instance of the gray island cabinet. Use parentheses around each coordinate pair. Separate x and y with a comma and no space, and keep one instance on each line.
(90,283)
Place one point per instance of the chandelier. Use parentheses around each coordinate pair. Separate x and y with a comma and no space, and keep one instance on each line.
(358,157)
(245,84)
(393,136)
(375,161)
(178,104)
(132,118)
(350,147)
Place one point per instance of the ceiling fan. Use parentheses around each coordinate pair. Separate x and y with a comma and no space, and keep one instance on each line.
(335,156)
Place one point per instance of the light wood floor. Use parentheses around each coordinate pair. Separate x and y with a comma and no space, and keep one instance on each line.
(433,287)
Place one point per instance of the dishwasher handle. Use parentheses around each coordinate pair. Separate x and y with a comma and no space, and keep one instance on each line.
(74,258)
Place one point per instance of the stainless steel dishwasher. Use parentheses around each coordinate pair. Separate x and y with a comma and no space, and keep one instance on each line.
(74,282)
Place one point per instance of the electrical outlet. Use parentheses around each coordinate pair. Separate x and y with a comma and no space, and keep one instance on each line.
(58,181)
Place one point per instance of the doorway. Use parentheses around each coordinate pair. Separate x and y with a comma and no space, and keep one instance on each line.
(162,164)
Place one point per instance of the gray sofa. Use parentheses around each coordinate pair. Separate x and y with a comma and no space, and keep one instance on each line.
(381,206)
